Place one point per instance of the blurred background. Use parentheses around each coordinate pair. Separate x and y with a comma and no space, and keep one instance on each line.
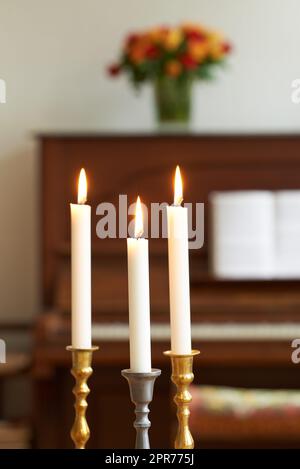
(239,153)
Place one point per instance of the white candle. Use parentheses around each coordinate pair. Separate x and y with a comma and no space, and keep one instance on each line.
(81,268)
(139,298)
(179,284)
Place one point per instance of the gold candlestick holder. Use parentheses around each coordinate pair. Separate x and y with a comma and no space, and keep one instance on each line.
(182,377)
(81,370)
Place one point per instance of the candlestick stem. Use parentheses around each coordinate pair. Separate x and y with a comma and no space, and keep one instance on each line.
(182,377)
(81,370)
(141,393)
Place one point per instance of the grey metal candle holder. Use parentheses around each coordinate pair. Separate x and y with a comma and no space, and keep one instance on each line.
(141,393)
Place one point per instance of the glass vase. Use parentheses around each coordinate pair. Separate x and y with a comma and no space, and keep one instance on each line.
(173,100)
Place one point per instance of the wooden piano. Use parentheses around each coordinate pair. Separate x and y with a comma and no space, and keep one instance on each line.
(244,329)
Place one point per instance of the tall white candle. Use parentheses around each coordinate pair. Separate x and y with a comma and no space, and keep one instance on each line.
(179,284)
(139,298)
(81,267)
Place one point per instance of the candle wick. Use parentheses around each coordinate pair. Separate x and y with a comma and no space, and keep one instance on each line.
(178,202)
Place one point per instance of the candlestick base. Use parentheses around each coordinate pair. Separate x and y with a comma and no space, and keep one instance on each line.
(182,377)
(141,393)
(81,370)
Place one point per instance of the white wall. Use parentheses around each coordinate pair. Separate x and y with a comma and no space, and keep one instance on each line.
(52,56)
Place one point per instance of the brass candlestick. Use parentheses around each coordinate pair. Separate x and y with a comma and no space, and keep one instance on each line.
(182,377)
(81,370)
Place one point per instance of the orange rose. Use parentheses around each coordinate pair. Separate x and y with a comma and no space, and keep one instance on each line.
(198,50)
(216,46)
(191,27)
(173,68)
(216,52)
(173,39)
(158,35)
(137,54)
(215,36)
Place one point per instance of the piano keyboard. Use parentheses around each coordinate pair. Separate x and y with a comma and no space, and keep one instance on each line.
(206,331)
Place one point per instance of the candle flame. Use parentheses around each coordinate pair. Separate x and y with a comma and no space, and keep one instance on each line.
(82,187)
(178,197)
(139,227)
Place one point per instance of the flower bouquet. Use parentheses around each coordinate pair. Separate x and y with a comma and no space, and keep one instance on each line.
(172,59)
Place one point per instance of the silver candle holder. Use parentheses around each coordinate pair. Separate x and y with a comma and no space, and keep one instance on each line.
(141,393)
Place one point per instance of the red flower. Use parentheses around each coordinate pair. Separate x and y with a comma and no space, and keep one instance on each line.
(114,70)
(131,39)
(226,47)
(188,62)
(152,52)
(193,35)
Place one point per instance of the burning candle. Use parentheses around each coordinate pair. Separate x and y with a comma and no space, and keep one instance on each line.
(81,267)
(179,284)
(139,298)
